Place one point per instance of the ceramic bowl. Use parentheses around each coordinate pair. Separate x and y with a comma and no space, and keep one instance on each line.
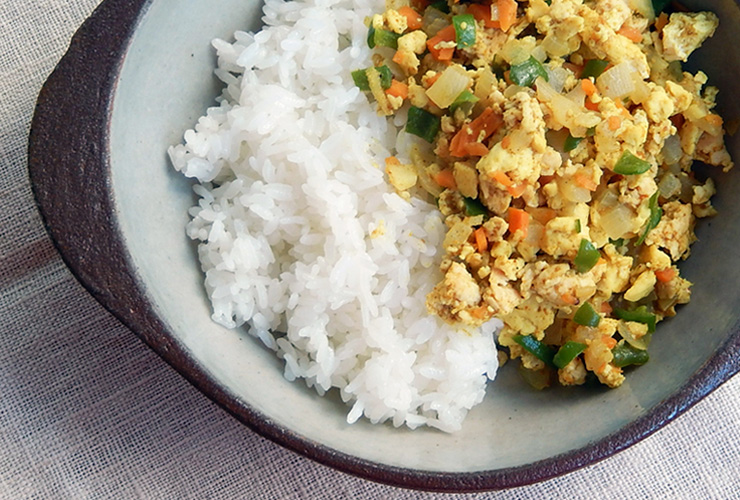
(137,74)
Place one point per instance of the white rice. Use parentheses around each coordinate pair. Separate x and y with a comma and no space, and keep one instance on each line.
(300,233)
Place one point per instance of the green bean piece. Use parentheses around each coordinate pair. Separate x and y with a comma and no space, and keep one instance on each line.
(473,207)
(656,213)
(571,143)
(594,68)
(525,74)
(629,164)
(586,316)
(538,349)
(464,30)
(422,123)
(625,355)
(587,256)
(567,353)
(639,315)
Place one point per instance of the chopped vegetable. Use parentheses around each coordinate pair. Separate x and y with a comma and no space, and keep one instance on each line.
(526,73)
(567,353)
(586,316)
(482,13)
(506,13)
(538,349)
(474,207)
(413,18)
(656,213)
(446,179)
(468,140)
(465,97)
(360,77)
(625,355)
(587,256)
(398,89)
(571,143)
(438,45)
(665,275)
(382,38)
(518,221)
(481,241)
(640,315)
(593,68)
(453,81)
(422,123)
(629,164)
(441,6)
(464,30)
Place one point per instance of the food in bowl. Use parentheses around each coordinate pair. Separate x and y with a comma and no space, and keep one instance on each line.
(561,142)
(301,232)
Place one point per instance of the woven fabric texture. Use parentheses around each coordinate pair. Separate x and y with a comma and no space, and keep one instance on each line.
(88,411)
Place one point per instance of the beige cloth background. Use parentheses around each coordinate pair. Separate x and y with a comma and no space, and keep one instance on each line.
(87,411)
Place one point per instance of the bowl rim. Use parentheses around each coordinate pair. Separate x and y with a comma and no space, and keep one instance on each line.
(69,151)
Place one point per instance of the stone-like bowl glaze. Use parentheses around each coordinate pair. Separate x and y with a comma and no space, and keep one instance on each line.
(137,74)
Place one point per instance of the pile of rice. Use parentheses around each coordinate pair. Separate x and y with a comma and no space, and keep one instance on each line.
(300,233)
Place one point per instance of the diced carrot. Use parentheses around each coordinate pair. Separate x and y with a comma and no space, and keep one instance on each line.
(476,149)
(585,181)
(502,178)
(446,179)
(714,120)
(506,13)
(413,18)
(605,308)
(665,275)
(518,221)
(506,142)
(517,189)
(392,160)
(444,35)
(480,312)
(481,242)
(482,13)
(590,105)
(398,89)
(543,215)
(430,81)
(569,298)
(507,77)
(631,33)
(661,21)
(468,140)
(614,122)
(588,87)
(608,341)
(620,105)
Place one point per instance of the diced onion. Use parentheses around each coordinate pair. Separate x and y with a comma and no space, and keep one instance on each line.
(448,86)
(641,343)
(572,191)
(557,77)
(672,150)
(433,21)
(616,221)
(643,7)
(669,186)
(617,82)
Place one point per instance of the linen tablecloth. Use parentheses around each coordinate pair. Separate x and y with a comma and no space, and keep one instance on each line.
(88,411)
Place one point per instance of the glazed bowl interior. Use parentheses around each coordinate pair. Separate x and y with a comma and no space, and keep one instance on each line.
(166,82)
